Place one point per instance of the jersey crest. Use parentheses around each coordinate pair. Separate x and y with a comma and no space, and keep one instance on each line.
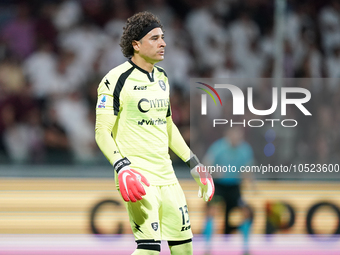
(154,226)
(162,84)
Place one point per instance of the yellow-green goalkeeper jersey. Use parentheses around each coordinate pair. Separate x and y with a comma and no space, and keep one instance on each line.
(140,100)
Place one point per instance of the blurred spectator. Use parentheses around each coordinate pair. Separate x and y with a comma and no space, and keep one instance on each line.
(73,114)
(44,27)
(254,63)
(7,13)
(86,41)
(11,76)
(333,63)
(161,9)
(19,33)
(67,75)
(57,149)
(201,19)
(315,62)
(67,14)
(243,32)
(53,75)
(22,134)
(267,43)
(38,69)
(329,18)
(111,54)
(7,118)
(229,69)
(95,11)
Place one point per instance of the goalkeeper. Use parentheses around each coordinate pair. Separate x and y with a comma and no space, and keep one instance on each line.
(134,130)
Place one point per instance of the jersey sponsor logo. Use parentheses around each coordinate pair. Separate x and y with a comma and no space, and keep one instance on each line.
(107,83)
(186,228)
(102,102)
(140,87)
(152,122)
(144,105)
(162,84)
(154,225)
(138,227)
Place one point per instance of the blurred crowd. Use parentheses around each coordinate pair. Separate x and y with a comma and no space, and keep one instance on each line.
(53,54)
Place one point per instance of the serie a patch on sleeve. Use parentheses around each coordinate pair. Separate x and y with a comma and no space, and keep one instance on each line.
(102,101)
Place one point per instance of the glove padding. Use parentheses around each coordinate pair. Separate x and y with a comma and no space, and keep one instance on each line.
(205,182)
(130,184)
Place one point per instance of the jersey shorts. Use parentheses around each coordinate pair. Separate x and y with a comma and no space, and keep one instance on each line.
(162,214)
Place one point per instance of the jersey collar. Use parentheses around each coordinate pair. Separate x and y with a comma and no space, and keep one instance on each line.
(151,79)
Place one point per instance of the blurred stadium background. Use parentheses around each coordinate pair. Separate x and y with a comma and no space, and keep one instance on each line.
(53,54)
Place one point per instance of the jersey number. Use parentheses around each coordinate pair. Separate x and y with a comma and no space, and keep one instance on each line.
(184,211)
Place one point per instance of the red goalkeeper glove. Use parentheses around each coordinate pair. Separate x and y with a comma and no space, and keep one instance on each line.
(130,181)
(203,178)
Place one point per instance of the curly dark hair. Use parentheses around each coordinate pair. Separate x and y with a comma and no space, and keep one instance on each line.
(133,28)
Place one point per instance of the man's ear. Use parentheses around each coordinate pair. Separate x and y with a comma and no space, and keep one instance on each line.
(136,45)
